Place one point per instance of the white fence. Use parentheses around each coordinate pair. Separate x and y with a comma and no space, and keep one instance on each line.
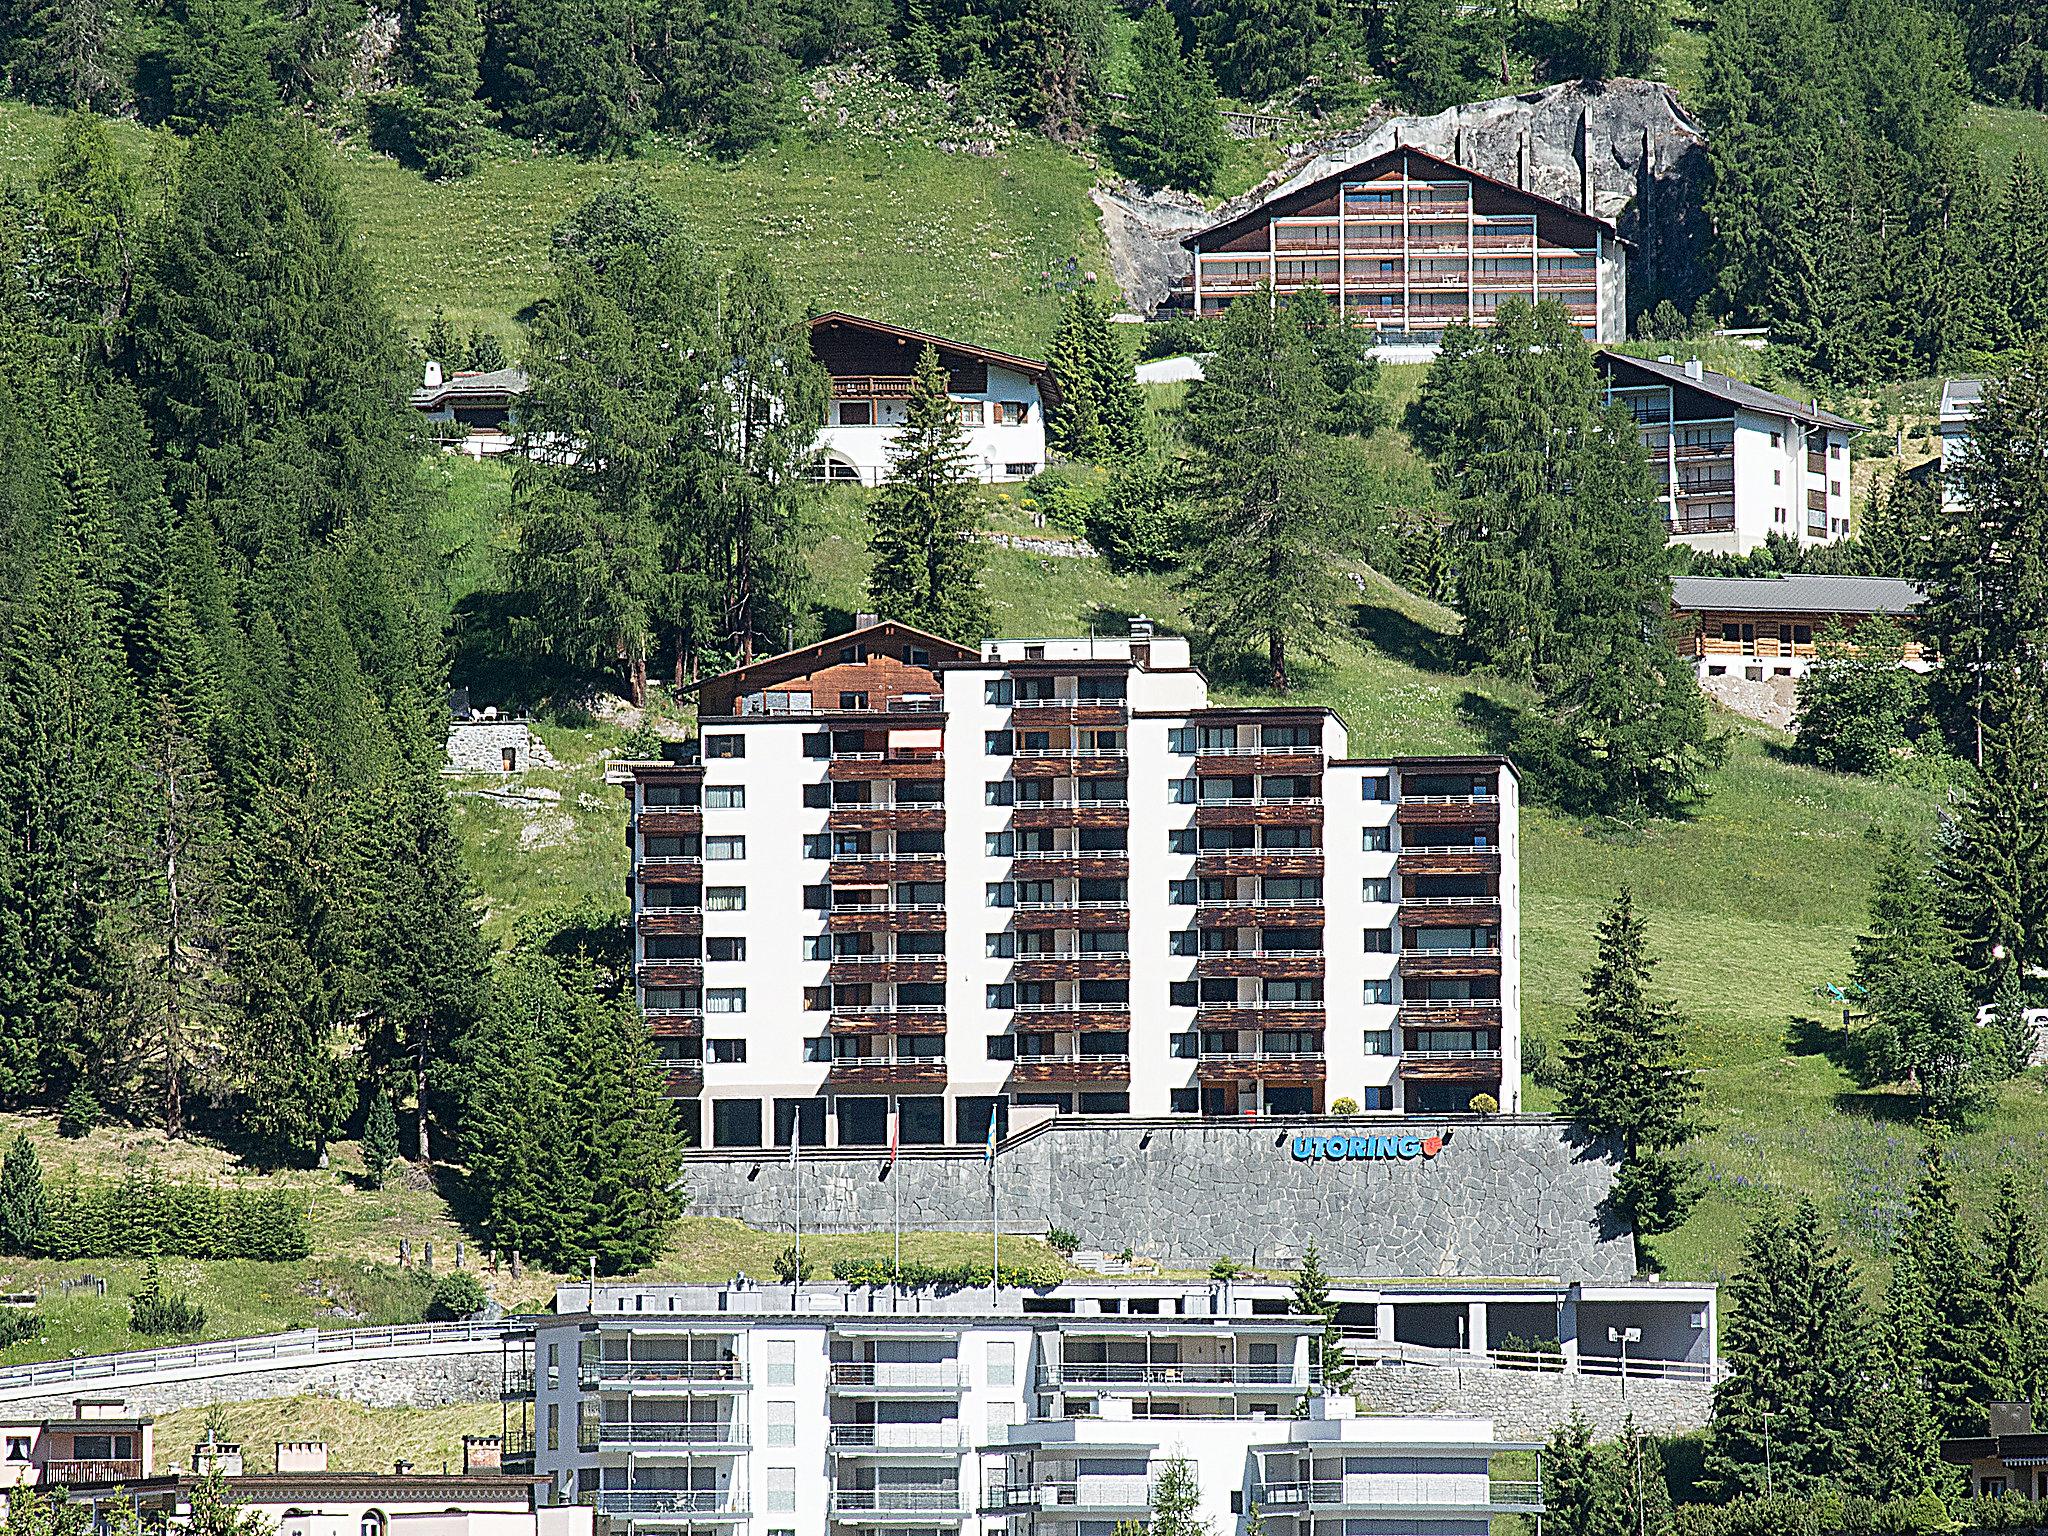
(302,1347)
(1368,1350)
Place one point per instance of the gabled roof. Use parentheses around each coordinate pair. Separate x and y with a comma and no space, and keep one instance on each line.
(1796,594)
(1374,163)
(734,681)
(499,383)
(1030,365)
(1734,392)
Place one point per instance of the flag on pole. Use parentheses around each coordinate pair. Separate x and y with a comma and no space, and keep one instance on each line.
(895,1126)
(989,1153)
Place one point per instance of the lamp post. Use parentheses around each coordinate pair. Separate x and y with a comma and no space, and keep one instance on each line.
(1624,1337)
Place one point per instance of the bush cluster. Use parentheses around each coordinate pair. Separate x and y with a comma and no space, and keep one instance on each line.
(146,1214)
(161,1313)
(920,1274)
(1834,1514)
(456,1297)
(16,1325)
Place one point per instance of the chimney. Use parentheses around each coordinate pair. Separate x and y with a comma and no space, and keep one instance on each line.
(483,1453)
(1141,627)
(2012,1418)
(1695,369)
(431,379)
(220,1456)
(302,1455)
(401,1468)
(866,620)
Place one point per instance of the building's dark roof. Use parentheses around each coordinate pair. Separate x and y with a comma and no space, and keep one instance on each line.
(2029,1450)
(1960,398)
(1796,594)
(498,384)
(1719,386)
(1374,162)
(1031,365)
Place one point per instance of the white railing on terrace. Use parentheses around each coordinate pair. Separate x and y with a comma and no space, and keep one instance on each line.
(1421,953)
(1451,1055)
(1408,900)
(941,1438)
(671,1501)
(1255,1056)
(1027,856)
(697,1433)
(1072,752)
(900,1501)
(732,1371)
(1267,800)
(1260,954)
(1075,905)
(865,1010)
(888,906)
(899,1374)
(1064,804)
(1444,850)
(1374,1491)
(1260,901)
(1311,851)
(305,1344)
(880,857)
(1073,1007)
(1363,1345)
(1072,1058)
(669,860)
(1170,1373)
(1485,799)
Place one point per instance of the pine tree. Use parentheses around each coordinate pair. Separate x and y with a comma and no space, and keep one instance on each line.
(1964,1347)
(1311,1298)
(1099,410)
(1262,566)
(2012,1250)
(1177,1501)
(1172,133)
(24,1213)
(1856,700)
(927,565)
(380,1141)
(1795,1350)
(1625,1076)
(1898,1436)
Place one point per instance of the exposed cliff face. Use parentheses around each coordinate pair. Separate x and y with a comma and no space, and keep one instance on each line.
(1626,147)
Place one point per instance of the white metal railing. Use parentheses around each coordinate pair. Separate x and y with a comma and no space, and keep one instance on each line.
(1371,1490)
(1072,752)
(1072,1058)
(1451,1055)
(701,1432)
(1260,901)
(884,959)
(303,1344)
(879,857)
(1076,905)
(730,1372)
(1105,1492)
(1425,952)
(1443,850)
(898,1437)
(1174,1374)
(1363,1345)
(1064,804)
(1448,901)
(1073,1007)
(903,1501)
(1260,749)
(1488,798)
(669,860)
(1265,1005)
(869,1010)
(672,1501)
(1041,855)
(1314,851)
(1267,800)
(888,906)
(901,1374)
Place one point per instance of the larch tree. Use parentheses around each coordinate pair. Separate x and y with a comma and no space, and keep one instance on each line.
(927,564)
(1262,569)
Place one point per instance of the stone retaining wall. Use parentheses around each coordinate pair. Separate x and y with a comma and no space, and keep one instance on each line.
(425,1380)
(1529,1405)
(1507,1196)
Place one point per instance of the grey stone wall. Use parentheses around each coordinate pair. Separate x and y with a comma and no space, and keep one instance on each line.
(1528,1405)
(420,1381)
(1506,1196)
(478,746)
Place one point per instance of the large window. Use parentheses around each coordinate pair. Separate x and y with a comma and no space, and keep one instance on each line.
(736,1122)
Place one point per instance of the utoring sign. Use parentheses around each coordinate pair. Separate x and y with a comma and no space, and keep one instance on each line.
(1365,1149)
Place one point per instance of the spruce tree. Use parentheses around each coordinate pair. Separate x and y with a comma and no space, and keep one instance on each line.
(93,221)
(1262,567)
(2018,1040)
(1098,414)
(2012,1251)
(721,70)
(1906,933)
(1260,48)
(2017,263)
(484,352)
(1575,1492)
(1624,1074)
(1964,1344)
(1993,868)
(439,48)
(1618,37)
(439,340)
(24,1213)
(1898,1436)
(1795,1350)
(1177,1501)
(1311,1298)
(380,1141)
(1172,132)
(927,564)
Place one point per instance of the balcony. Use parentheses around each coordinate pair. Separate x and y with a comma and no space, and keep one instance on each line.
(871,386)
(1070,1016)
(889,916)
(665,921)
(900,1378)
(1448,811)
(710,1375)
(886,1072)
(1717,486)
(664,1506)
(681,1077)
(1298,1069)
(1704,522)
(1225,863)
(1094,916)
(1303,811)
(697,1436)
(1071,966)
(1102,1495)
(74,1473)
(1450,962)
(1038,714)
(1065,762)
(945,1504)
(898,1439)
(1258,911)
(885,868)
(669,973)
(670,863)
(1447,859)
(1261,964)
(1234,762)
(1468,1013)
(887,816)
(1720,449)
(1060,812)
(845,767)
(857,969)
(1217,1377)
(669,821)
(1070,1067)
(1379,1494)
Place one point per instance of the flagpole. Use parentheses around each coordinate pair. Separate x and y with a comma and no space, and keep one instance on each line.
(995,1219)
(796,1167)
(896,1201)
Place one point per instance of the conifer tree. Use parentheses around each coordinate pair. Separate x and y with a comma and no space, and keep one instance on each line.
(93,223)
(1963,1346)
(1625,1076)
(2017,1038)
(484,352)
(24,1212)
(721,72)
(439,50)
(380,1141)
(1311,1298)
(1993,866)
(2012,1250)
(212,66)
(1618,37)
(1906,931)
(63,53)
(927,565)
(1898,1437)
(1795,1351)
(1099,415)
(1575,1496)
(1172,133)
(2016,275)
(1177,1501)
(439,341)
(1261,570)
(1260,48)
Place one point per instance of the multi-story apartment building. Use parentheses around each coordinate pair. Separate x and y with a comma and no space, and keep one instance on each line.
(1738,463)
(1959,401)
(901,876)
(682,1410)
(998,400)
(1409,243)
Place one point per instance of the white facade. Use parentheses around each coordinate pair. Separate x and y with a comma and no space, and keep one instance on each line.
(1004,425)
(1077,887)
(1737,464)
(1959,401)
(679,1409)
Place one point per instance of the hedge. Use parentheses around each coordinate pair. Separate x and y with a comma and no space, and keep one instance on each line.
(147,1214)
(918,1274)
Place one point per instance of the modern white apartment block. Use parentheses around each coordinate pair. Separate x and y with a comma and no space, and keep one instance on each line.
(1409,243)
(898,876)
(682,1410)
(1738,463)
(998,399)
(1959,401)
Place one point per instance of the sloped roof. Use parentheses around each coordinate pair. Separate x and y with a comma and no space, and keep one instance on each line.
(1721,387)
(1960,398)
(497,383)
(1796,594)
(1030,365)
(1374,162)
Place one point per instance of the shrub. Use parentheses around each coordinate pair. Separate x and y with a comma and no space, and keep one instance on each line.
(1225,1268)
(1547,1349)
(1345,1105)
(919,1274)
(1062,1242)
(1134,524)
(161,1313)
(16,1325)
(1176,336)
(455,1297)
(1067,496)
(792,1264)
(145,1213)
(1484,1104)
(80,1114)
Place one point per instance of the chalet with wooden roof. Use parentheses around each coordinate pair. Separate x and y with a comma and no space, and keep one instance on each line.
(999,399)
(1409,243)
(1761,627)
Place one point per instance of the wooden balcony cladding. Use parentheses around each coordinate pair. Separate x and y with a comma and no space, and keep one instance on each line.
(1461,811)
(886,818)
(1052,1020)
(1071,865)
(1472,1067)
(855,1073)
(1450,911)
(1079,814)
(1071,968)
(1253,913)
(1277,1016)
(671,973)
(668,821)
(1438,962)
(1222,864)
(883,870)
(1478,1013)
(873,765)
(1234,765)
(675,1025)
(1286,1071)
(1046,714)
(849,970)
(886,919)
(1262,813)
(682,1076)
(1276,965)
(1059,765)
(881,1021)
(871,386)
(1093,919)
(1447,861)
(1070,1069)
(669,920)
